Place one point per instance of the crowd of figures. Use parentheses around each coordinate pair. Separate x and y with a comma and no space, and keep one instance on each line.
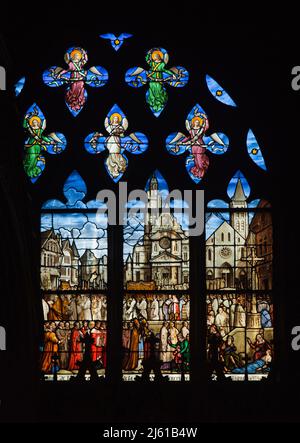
(226,315)
(64,348)
(229,311)
(172,349)
(161,319)
(67,307)
(154,307)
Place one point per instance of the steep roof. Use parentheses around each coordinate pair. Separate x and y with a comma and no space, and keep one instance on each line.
(239,194)
(47,235)
(89,258)
(74,249)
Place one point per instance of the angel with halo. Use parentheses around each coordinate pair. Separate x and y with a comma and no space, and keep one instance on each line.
(116,124)
(197,143)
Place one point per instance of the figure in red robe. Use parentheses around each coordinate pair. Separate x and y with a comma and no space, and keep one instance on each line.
(102,342)
(75,347)
(85,328)
(198,128)
(260,346)
(98,334)
(75,95)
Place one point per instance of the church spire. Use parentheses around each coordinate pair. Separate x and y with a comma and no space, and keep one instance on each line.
(239,216)
(153,183)
(239,194)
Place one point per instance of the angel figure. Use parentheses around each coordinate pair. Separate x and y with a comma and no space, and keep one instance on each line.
(116,127)
(157,76)
(76,77)
(197,143)
(116,143)
(54,143)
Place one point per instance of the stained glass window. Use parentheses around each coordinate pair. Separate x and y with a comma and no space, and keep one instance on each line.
(240,314)
(73,282)
(157,276)
(156,305)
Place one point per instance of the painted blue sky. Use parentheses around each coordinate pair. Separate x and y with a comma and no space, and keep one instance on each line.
(74,190)
(87,230)
(254,150)
(116,41)
(19,86)
(218,92)
(233,182)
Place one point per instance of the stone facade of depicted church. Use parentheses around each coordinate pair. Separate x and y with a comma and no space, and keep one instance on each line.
(63,268)
(160,260)
(239,254)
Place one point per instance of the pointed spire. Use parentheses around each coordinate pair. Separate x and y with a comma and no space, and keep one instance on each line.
(74,249)
(153,183)
(239,194)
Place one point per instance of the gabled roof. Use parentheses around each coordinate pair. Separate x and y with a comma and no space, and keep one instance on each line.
(172,234)
(74,249)
(219,228)
(89,256)
(47,235)
(166,256)
(66,244)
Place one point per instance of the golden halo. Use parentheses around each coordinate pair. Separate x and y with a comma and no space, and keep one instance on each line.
(115,114)
(35,117)
(161,55)
(74,52)
(197,119)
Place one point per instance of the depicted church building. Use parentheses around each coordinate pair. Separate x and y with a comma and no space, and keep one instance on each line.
(160,259)
(63,268)
(234,257)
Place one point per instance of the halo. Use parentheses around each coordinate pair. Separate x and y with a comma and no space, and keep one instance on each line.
(161,55)
(197,118)
(76,51)
(115,114)
(34,117)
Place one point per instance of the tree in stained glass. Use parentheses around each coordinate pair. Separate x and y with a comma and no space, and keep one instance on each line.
(73,281)
(116,143)
(156,77)
(197,143)
(75,77)
(37,143)
(156,306)
(239,282)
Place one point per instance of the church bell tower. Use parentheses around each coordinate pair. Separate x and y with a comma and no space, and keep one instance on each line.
(154,203)
(239,219)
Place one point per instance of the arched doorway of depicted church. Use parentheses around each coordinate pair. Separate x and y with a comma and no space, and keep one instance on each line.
(243,280)
(227,275)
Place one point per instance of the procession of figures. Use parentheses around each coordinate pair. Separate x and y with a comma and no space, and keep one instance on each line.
(165,319)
